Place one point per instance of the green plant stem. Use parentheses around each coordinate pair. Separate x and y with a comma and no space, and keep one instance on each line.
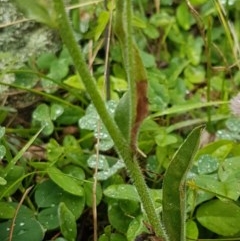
(209,68)
(127,18)
(120,142)
(123,30)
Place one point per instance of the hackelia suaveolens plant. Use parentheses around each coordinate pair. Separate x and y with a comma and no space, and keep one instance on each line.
(235,105)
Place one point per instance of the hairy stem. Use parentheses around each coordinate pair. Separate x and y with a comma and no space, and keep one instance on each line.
(121,144)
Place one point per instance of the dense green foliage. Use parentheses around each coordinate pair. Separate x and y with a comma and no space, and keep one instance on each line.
(59,163)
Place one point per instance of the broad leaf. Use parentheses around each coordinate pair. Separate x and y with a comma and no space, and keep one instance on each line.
(220,217)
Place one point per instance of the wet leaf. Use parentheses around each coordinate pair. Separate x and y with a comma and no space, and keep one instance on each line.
(48,194)
(210,183)
(67,221)
(91,121)
(2,151)
(105,174)
(55,111)
(207,164)
(42,114)
(48,218)
(233,124)
(26,226)
(102,163)
(122,191)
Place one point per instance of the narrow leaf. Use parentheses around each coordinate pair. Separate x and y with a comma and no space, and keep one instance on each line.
(174,198)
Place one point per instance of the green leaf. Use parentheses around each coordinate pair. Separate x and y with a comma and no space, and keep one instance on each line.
(42,114)
(13,180)
(148,59)
(136,227)
(220,217)
(7,211)
(2,151)
(55,111)
(3,181)
(165,139)
(184,16)
(105,174)
(162,19)
(101,163)
(59,69)
(191,230)
(40,10)
(229,169)
(187,107)
(122,115)
(194,49)
(207,164)
(131,208)
(176,67)
(67,221)
(25,226)
(194,75)
(218,149)
(45,60)
(74,171)
(48,218)
(91,121)
(67,183)
(229,189)
(102,23)
(75,81)
(233,124)
(112,237)
(197,2)
(88,189)
(55,195)
(117,218)
(13,162)
(122,191)
(174,198)
(48,84)
(54,150)
(2,131)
